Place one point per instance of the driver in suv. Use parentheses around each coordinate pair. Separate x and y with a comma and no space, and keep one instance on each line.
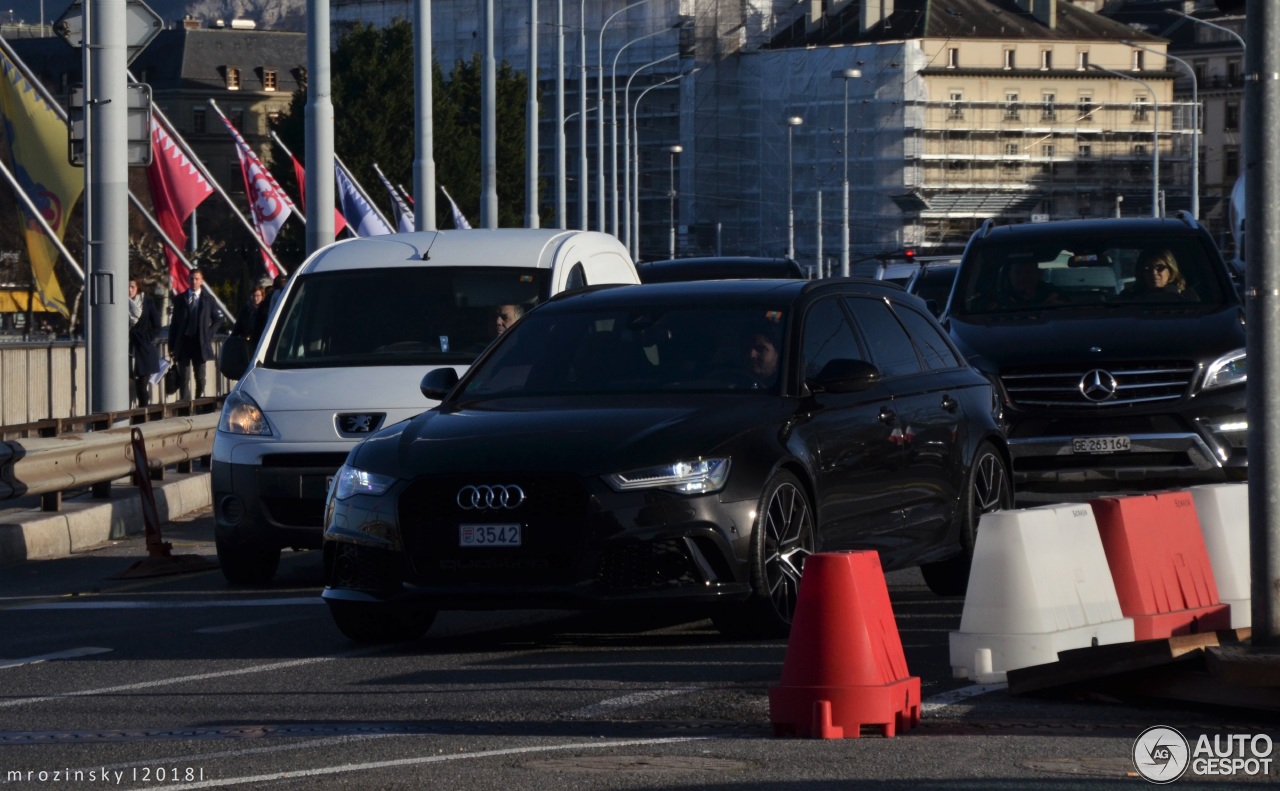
(1100,381)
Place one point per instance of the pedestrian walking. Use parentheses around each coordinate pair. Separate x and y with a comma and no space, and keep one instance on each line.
(144,326)
(196,318)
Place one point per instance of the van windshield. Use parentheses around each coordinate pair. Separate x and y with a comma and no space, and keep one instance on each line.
(403,316)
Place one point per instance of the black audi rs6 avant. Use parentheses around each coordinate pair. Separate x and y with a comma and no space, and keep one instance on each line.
(684,444)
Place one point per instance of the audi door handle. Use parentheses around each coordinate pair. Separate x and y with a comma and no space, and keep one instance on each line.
(888,416)
(950,404)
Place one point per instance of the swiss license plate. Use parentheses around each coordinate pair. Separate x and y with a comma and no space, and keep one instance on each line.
(504,535)
(1099,444)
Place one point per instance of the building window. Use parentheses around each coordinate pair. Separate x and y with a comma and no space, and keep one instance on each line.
(197,121)
(1233,73)
(1137,59)
(273,119)
(1140,150)
(1140,108)
(1084,150)
(233,78)
(1046,150)
(1048,107)
(1198,69)
(1009,60)
(268,79)
(1085,107)
(1011,149)
(237,120)
(1012,109)
(1231,119)
(953,58)
(1046,59)
(1230,164)
(1082,59)
(955,107)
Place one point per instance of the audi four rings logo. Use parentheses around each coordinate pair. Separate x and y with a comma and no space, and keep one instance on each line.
(489,498)
(1098,385)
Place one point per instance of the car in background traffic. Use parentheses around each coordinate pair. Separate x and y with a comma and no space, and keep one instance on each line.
(718,268)
(932,282)
(671,445)
(1118,346)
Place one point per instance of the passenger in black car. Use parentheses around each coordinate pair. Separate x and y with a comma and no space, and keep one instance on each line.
(762,354)
(1158,277)
(1021,287)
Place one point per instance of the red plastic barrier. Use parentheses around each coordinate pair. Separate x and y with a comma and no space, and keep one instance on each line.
(844,668)
(1160,565)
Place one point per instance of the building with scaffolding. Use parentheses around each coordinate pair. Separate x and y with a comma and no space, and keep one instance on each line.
(960,111)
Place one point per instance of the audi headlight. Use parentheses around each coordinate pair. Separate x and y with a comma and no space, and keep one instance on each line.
(702,476)
(241,415)
(351,481)
(1229,369)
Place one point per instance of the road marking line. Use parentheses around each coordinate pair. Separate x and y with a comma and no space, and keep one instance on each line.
(957,695)
(605,707)
(99,604)
(236,627)
(70,653)
(428,759)
(160,682)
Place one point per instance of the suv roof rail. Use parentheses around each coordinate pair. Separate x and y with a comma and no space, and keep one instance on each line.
(1186,217)
(987,225)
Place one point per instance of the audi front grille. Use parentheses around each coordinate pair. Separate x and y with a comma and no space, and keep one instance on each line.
(1102,385)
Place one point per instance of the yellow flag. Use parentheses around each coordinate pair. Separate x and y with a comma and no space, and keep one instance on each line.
(37,138)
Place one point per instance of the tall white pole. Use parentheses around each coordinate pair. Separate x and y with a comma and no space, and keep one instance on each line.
(561,220)
(583,175)
(318,118)
(1195,125)
(792,122)
(488,127)
(531,125)
(424,158)
(845,75)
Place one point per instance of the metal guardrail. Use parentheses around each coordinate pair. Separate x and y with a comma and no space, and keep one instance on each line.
(51,465)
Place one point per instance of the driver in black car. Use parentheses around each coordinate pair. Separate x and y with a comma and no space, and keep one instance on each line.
(762,354)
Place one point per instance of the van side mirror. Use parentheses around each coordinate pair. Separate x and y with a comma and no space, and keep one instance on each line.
(845,376)
(233,357)
(438,382)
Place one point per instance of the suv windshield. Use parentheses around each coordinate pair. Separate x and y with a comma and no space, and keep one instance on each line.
(407,316)
(636,350)
(1015,274)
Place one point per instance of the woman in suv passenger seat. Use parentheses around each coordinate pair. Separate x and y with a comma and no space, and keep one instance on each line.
(1159,277)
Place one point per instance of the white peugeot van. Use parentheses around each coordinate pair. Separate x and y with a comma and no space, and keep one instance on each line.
(344,353)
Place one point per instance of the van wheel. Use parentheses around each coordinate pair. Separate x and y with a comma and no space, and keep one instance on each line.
(381,623)
(247,565)
(782,539)
(987,488)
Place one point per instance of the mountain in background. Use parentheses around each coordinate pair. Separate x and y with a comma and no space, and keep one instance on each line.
(269,14)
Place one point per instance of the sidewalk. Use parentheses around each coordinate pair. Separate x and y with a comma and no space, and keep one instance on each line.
(84,521)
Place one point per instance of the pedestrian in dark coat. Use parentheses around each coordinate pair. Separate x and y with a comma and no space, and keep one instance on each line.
(144,357)
(196,319)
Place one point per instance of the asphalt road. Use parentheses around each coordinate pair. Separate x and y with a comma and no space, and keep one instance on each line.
(184,682)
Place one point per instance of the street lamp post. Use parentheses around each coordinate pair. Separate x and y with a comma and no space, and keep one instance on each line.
(846,75)
(671,193)
(613,109)
(792,122)
(1195,125)
(600,208)
(1207,23)
(1155,135)
(627,135)
(635,135)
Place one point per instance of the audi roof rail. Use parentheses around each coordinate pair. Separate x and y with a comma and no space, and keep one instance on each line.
(987,225)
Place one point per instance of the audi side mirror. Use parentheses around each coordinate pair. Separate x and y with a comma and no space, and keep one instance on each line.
(438,382)
(844,376)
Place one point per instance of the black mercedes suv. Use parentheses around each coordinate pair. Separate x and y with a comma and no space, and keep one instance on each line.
(1118,346)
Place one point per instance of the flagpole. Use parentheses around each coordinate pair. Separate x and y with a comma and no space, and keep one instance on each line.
(262,243)
(398,206)
(360,188)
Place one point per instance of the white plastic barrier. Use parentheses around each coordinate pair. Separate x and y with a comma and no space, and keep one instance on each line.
(1223,509)
(1039,584)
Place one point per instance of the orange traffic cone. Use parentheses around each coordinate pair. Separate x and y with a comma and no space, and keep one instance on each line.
(844,668)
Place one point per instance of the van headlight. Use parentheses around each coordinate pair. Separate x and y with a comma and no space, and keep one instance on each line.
(241,415)
(350,481)
(701,476)
(1229,369)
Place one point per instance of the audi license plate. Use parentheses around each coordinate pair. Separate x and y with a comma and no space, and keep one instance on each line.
(1099,444)
(507,535)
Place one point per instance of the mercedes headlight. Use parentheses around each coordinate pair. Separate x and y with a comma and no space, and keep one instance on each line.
(241,415)
(1229,369)
(701,476)
(351,481)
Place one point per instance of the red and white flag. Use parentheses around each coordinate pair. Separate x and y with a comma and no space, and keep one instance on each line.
(177,188)
(339,222)
(267,201)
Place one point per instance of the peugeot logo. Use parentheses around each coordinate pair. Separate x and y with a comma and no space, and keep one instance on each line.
(355,423)
(488,498)
(1098,385)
